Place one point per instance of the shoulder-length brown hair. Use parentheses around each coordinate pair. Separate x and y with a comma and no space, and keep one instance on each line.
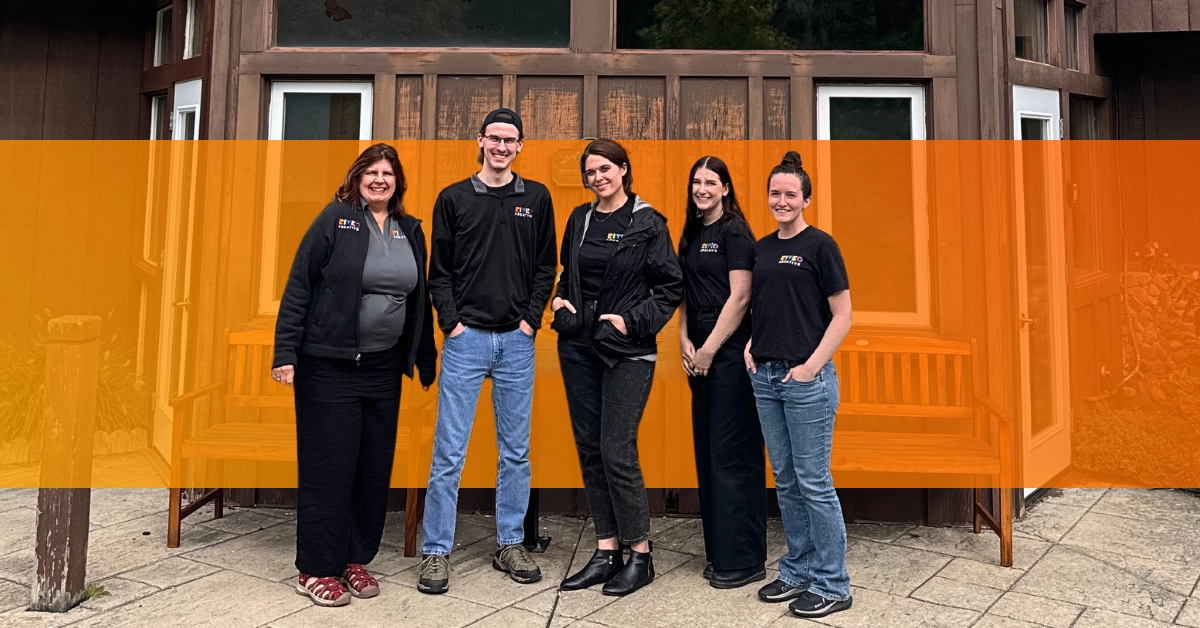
(612,151)
(348,192)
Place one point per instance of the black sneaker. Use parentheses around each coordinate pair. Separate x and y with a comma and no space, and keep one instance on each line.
(780,591)
(811,605)
(517,563)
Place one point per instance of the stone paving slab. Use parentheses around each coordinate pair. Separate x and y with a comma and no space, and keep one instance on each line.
(1143,538)
(1190,615)
(985,574)
(1034,609)
(1049,521)
(957,594)
(1163,506)
(890,568)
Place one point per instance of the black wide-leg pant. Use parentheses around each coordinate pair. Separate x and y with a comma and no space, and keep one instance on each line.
(729,453)
(346,419)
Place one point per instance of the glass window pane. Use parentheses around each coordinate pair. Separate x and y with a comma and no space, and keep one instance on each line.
(1029,19)
(311,116)
(1072,40)
(771,24)
(873,200)
(195,29)
(162,38)
(424,23)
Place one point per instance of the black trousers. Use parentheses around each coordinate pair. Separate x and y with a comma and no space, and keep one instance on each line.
(729,452)
(346,418)
(606,406)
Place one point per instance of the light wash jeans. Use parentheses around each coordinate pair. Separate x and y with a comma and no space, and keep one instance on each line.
(797,425)
(508,357)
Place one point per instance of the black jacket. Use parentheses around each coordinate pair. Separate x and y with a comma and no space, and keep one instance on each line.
(491,262)
(318,314)
(643,283)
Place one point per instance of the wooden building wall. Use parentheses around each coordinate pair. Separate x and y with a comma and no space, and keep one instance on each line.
(593,90)
(1146,16)
(68,71)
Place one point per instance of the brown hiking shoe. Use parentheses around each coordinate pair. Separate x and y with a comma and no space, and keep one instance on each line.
(516,561)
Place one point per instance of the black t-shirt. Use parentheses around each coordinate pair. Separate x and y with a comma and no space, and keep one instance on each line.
(599,244)
(716,250)
(793,280)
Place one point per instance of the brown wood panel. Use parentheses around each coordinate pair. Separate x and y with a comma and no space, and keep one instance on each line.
(940,27)
(121,48)
(408,107)
(250,106)
(883,65)
(632,108)
(776,109)
(945,109)
(23,41)
(225,31)
(967,80)
(713,109)
(1194,14)
(1169,15)
(550,106)
(462,103)
(383,126)
(1134,16)
(591,105)
(754,108)
(256,25)
(1104,15)
(72,61)
(593,25)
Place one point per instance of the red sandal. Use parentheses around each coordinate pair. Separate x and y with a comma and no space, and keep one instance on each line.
(361,584)
(326,591)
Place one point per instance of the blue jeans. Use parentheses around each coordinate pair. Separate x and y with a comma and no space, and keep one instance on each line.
(508,357)
(797,425)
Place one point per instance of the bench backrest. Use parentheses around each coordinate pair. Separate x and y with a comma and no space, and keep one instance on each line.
(248,382)
(907,377)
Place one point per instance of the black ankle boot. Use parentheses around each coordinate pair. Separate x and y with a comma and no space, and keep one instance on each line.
(637,573)
(603,565)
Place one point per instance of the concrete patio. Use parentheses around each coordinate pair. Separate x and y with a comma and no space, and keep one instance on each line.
(1084,558)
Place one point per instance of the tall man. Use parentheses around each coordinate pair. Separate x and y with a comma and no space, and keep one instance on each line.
(491,269)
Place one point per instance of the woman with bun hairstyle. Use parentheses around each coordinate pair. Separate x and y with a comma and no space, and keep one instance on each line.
(619,287)
(801,314)
(716,252)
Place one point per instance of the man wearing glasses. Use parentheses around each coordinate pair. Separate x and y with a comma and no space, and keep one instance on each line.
(492,265)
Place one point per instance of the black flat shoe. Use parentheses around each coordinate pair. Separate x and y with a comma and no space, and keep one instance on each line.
(734,578)
(708,571)
(603,565)
(637,573)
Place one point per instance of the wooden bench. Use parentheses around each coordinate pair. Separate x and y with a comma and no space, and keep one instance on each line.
(916,406)
(247,384)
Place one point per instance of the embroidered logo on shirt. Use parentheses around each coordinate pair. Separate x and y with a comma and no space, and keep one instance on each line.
(344,223)
(794,260)
(710,247)
(397,234)
(523,212)
(614,237)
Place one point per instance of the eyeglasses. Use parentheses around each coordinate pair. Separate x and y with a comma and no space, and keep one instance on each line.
(507,141)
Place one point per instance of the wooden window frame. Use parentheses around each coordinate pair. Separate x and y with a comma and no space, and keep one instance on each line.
(157,59)
(923,317)
(268,305)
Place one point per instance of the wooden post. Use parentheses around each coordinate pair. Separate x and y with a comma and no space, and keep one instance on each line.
(64,498)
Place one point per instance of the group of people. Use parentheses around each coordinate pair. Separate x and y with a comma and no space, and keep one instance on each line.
(759,324)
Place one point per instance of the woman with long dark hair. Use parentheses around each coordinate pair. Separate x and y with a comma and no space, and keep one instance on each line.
(355,315)
(801,308)
(716,252)
(619,287)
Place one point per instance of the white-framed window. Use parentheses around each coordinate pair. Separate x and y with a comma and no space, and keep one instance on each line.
(305,110)
(194,31)
(162,36)
(873,198)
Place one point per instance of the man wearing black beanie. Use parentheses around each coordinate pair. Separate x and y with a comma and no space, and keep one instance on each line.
(492,265)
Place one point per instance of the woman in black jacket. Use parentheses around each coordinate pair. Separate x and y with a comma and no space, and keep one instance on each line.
(355,315)
(620,285)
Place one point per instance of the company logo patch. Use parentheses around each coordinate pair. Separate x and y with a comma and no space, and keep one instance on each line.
(345,223)
(710,247)
(397,234)
(794,260)
(614,237)
(523,212)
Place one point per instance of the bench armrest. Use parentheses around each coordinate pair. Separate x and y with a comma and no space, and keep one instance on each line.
(993,407)
(193,395)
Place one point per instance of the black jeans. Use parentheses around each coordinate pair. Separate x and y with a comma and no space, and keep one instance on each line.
(729,452)
(346,417)
(606,406)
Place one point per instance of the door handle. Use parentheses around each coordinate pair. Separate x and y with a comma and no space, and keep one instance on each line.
(183,303)
(1025,320)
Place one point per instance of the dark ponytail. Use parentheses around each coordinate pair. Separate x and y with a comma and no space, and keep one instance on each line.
(793,165)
